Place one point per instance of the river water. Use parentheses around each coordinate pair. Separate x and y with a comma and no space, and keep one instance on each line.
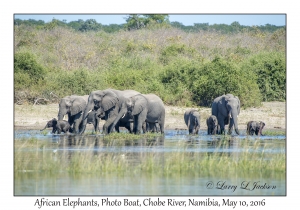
(28,182)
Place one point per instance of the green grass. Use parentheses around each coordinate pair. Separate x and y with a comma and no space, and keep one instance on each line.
(180,162)
(274,132)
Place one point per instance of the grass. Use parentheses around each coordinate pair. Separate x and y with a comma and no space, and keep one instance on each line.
(274,132)
(33,155)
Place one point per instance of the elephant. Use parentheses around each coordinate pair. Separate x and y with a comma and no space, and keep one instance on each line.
(227,108)
(150,127)
(255,127)
(212,125)
(192,120)
(111,101)
(74,106)
(126,121)
(58,125)
(144,108)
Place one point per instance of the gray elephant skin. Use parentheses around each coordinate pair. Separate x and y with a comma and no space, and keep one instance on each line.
(58,125)
(227,108)
(73,106)
(111,101)
(255,127)
(126,121)
(212,125)
(192,120)
(143,108)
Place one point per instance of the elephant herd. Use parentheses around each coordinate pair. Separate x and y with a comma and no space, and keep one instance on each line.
(225,110)
(139,112)
(128,108)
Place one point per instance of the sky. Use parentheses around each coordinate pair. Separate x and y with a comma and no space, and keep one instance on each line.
(278,19)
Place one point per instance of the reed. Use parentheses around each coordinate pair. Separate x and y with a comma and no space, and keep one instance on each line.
(252,160)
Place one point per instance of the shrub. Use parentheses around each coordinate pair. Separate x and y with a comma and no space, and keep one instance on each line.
(202,82)
(270,70)
(27,70)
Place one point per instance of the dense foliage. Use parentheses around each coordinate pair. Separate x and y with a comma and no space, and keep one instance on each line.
(183,68)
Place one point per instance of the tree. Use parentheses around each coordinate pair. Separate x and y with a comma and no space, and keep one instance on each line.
(135,21)
(90,25)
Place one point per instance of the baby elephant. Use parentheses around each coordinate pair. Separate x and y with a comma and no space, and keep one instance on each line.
(254,126)
(192,120)
(58,125)
(212,125)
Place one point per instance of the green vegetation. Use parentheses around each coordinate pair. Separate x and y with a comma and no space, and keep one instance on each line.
(183,68)
(252,161)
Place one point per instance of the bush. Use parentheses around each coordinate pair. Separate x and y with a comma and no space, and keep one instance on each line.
(203,82)
(270,70)
(26,63)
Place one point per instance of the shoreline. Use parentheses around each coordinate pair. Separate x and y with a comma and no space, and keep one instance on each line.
(35,117)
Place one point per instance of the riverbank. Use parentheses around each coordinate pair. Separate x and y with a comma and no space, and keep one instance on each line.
(272,113)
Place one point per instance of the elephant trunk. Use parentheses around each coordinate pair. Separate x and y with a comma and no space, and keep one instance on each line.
(120,115)
(89,107)
(233,121)
(44,128)
(61,114)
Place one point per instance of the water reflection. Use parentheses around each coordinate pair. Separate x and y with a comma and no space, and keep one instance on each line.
(66,147)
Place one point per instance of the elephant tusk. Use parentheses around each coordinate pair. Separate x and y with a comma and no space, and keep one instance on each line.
(123,116)
(90,111)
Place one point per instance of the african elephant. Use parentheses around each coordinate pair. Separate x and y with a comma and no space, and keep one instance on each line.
(212,125)
(58,125)
(227,108)
(126,121)
(150,127)
(74,106)
(110,100)
(255,127)
(143,108)
(192,120)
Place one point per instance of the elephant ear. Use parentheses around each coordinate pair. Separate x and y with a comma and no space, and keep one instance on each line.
(67,101)
(140,102)
(109,100)
(78,105)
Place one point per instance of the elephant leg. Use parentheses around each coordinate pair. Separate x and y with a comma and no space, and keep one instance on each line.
(58,130)
(53,130)
(191,128)
(140,119)
(77,122)
(222,125)
(131,127)
(152,127)
(197,129)
(144,127)
(135,121)
(107,125)
(256,131)
(157,129)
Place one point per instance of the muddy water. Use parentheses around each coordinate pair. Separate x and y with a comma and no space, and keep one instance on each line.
(62,183)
